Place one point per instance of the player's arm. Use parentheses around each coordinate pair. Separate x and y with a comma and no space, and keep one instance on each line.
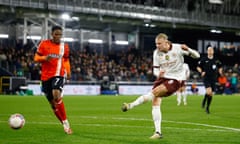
(66,61)
(188,71)
(156,66)
(191,52)
(67,67)
(200,69)
(220,71)
(40,58)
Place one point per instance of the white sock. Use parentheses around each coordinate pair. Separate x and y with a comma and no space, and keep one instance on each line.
(184,97)
(157,118)
(66,124)
(178,98)
(141,99)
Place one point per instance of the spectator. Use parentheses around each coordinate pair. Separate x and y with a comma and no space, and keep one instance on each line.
(194,88)
(227,89)
(234,82)
(3,59)
(222,80)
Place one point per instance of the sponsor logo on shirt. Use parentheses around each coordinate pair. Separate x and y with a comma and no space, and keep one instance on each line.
(55,55)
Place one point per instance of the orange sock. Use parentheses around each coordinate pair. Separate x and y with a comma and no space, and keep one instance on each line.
(61,108)
(58,114)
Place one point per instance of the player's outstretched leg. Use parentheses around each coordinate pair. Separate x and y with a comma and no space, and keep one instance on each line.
(140,100)
(125,107)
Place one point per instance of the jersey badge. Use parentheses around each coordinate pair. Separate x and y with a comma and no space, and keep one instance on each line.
(214,67)
(166,57)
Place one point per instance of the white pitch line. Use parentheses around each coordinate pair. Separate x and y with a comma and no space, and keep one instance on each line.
(123,126)
(191,123)
(221,128)
(179,122)
(206,125)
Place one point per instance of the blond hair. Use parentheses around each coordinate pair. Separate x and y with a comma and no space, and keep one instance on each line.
(162,36)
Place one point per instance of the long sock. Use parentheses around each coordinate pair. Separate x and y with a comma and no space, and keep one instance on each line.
(184,94)
(58,114)
(141,99)
(157,118)
(209,100)
(178,98)
(60,106)
(66,124)
(204,100)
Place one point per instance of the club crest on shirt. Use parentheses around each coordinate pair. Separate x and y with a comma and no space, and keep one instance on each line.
(166,57)
(214,67)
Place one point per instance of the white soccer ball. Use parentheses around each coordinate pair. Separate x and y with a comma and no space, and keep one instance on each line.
(16,121)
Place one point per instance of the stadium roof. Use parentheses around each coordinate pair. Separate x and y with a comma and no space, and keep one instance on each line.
(123,16)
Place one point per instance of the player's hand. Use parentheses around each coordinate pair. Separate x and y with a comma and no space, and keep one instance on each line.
(203,74)
(48,57)
(161,73)
(67,81)
(68,77)
(184,47)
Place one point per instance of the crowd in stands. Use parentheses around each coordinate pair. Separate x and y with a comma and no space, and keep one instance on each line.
(120,66)
(228,83)
(130,65)
(85,65)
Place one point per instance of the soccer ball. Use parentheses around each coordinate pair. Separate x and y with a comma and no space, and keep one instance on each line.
(16,121)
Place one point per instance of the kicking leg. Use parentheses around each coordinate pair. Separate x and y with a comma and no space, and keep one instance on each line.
(140,100)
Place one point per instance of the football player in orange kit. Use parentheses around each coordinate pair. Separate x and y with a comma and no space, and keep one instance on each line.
(54,58)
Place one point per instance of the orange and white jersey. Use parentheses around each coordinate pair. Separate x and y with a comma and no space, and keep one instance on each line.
(59,54)
(170,64)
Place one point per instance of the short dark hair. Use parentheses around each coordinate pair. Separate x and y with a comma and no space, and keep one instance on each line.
(56,28)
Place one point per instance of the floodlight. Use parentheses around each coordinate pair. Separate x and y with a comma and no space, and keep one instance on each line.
(34,37)
(65,16)
(96,41)
(3,35)
(118,42)
(215,1)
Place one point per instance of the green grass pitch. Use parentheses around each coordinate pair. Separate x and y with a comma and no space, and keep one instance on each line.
(99,120)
